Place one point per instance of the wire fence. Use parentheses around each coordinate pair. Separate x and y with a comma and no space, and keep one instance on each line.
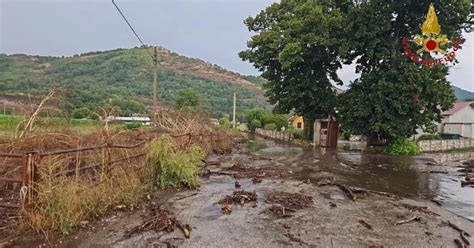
(94,162)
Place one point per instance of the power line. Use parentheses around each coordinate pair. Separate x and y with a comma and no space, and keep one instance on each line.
(133,30)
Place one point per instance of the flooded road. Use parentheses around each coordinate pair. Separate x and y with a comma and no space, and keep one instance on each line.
(404,176)
(332,219)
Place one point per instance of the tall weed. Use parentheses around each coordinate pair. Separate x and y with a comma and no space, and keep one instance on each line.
(171,167)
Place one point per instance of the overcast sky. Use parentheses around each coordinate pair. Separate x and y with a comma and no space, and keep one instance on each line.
(211,30)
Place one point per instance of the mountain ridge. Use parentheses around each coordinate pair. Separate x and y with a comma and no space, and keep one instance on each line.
(97,76)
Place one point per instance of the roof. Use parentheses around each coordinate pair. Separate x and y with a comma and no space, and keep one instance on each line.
(122,118)
(458,106)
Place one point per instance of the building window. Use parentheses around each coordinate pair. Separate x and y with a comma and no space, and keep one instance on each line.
(298,125)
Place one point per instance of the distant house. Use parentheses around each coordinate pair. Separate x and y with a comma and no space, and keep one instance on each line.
(145,120)
(297,122)
(459,120)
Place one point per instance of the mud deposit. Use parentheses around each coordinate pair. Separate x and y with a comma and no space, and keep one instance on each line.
(294,211)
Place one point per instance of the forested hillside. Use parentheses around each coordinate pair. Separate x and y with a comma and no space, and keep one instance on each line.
(462,94)
(97,78)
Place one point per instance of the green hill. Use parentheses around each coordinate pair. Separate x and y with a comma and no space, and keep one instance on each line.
(462,94)
(95,78)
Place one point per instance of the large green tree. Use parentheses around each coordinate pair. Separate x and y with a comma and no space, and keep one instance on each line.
(188,100)
(394,96)
(296,48)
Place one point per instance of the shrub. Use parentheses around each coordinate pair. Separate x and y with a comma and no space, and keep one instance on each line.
(172,167)
(430,136)
(81,113)
(133,125)
(403,147)
(224,122)
(280,121)
(254,124)
(297,134)
(271,126)
(61,202)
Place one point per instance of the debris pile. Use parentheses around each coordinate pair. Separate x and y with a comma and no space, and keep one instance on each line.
(243,171)
(281,211)
(286,202)
(295,200)
(163,220)
(238,197)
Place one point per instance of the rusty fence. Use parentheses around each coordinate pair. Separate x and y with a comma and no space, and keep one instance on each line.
(28,163)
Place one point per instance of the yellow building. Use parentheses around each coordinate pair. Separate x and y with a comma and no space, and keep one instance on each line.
(297,122)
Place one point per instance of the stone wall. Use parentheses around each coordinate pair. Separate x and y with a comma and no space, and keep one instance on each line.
(283,136)
(443,145)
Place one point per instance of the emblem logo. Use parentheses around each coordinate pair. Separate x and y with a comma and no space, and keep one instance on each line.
(431,44)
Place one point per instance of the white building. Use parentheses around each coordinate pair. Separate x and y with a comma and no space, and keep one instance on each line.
(459,120)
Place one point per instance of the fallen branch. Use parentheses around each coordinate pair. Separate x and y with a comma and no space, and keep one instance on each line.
(438,202)
(163,220)
(438,172)
(184,197)
(414,218)
(465,183)
(368,192)
(295,239)
(186,228)
(365,224)
(459,244)
(347,191)
(222,173)
(464,238)
(425,210)
(455,227)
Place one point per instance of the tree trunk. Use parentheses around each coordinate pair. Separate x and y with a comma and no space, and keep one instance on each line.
(308,128)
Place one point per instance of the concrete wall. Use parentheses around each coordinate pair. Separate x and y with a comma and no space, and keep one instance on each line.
(443,145)
(283,136)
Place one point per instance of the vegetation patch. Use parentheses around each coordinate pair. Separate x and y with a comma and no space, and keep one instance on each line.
(430,136)
(403,147)
(62,203)
(171,167)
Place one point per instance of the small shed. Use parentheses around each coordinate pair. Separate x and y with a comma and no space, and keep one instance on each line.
(326,133)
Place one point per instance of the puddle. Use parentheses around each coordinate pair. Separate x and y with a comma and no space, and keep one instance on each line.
(355,165)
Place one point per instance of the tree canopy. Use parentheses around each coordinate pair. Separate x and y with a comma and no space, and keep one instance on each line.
(394,95)
(188,100)
(296,50)
(300,44)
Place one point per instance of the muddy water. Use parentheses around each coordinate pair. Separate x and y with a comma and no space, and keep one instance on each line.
(354,165)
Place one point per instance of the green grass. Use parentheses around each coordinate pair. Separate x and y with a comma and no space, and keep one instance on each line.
(403,147)
(9,123)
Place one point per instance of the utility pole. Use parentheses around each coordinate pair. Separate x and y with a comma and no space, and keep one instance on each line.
(233,112)
(155,76)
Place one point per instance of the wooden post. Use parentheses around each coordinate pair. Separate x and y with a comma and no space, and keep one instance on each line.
(155,78)
(233,112)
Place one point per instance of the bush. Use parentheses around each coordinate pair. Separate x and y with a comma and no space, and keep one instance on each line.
(224,122)
(171,167)
(61,203)
(430,137)
(133,125)
(403,147)
(80,113)
(271,126)
(254,124)
(280,121)
(255,118)
(297,134)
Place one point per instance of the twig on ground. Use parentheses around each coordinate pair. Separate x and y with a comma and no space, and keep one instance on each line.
(414,218)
